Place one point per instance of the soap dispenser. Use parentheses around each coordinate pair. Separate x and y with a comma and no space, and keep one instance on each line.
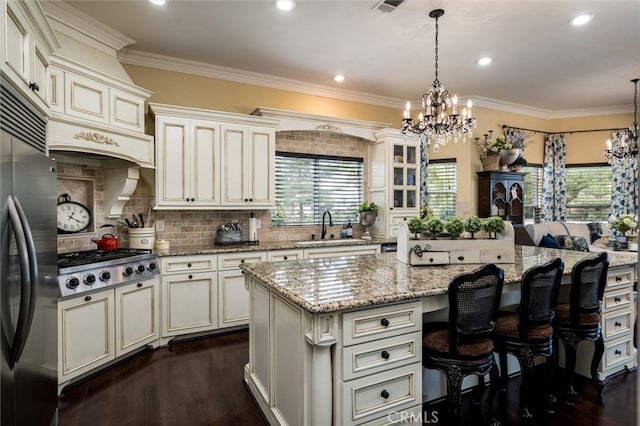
(349,230)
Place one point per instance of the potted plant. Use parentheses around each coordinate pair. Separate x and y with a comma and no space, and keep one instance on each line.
(472,225)
(490,150)
(492,225)
(368,212)
(435,227)
(416,226)
(454,227)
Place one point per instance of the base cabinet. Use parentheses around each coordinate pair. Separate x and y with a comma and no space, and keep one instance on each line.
(189,303)
(137,315)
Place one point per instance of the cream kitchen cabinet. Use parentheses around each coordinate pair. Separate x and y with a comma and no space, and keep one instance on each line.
(248,155)
(27,44)
(337,251)
(281,255)
(85,334)
(213,160)
(394,180)
(187,169)
(233,297)
(189,295)
(137,309)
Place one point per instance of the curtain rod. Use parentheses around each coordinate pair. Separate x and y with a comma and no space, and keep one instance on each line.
(504,126)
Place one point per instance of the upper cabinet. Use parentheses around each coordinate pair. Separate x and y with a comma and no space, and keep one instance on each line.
(27,43)
(213,160)
(394,180)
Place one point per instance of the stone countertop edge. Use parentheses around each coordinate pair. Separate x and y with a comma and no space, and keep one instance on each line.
(263,246)
(338,284)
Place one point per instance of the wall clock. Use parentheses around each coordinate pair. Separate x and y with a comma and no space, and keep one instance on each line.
(73,217)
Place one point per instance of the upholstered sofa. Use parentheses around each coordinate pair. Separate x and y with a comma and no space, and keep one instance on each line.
(596,237)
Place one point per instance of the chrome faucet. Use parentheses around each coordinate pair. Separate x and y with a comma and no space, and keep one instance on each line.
(324,227)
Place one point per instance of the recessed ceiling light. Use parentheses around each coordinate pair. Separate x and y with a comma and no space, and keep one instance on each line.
(285,4)
(339,78)
(581,20)
(158,2)
(484,61)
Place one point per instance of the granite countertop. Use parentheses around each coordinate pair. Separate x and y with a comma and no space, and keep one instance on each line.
(265,246)
(335,284)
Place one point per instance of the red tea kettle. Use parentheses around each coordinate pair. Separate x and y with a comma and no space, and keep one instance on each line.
(108,241)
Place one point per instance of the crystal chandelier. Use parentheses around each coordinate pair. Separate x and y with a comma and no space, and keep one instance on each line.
(435,122)
(627,146)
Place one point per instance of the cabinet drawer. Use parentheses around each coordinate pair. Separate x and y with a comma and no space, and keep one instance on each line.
(176,264)
(370,397)
(280,255)
(341,251)
(617,323)
(381,355)
(233,261)
(618,299)
(617,352)
(387,321)
(464,256)
(620,277)
(497,256)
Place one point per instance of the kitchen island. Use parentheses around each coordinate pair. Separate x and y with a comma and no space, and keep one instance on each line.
(338,341)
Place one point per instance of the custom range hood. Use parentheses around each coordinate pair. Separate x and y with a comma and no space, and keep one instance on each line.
(96,110)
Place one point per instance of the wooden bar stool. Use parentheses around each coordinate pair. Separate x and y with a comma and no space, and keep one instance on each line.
(528,333)
(464,345)
(580,318)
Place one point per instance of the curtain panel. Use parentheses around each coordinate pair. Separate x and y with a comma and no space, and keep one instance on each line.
(624,181)
(554,194)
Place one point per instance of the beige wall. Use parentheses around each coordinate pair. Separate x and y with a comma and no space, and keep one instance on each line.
(209,93)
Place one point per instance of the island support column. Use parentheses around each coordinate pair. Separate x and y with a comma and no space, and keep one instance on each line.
(321,338)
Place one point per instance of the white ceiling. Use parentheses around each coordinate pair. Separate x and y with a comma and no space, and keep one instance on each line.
(539,60)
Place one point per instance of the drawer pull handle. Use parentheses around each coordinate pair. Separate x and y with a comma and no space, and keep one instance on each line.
(189,265)
(460,258)
(618,324)
(384,394)
(384,322)
(618,352)
(616,299)
(139,285)
(385,354)
(618,279)
(87,298)
(190,277)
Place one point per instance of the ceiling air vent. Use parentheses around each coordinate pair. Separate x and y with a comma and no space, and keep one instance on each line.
(388,6)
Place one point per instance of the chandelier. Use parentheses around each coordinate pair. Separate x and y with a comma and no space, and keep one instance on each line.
(627,144)
(435,122)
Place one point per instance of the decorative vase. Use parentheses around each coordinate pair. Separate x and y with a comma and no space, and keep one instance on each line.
(508,156)
(490,162)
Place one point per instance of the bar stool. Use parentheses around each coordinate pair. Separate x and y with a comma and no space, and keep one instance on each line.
(528,333)
(580,318)
(464,345)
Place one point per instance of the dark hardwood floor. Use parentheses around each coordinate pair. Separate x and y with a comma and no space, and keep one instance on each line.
(199,382)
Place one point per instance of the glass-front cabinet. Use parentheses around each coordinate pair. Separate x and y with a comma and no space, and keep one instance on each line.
(394,179)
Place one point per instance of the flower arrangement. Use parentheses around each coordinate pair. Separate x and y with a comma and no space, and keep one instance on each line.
(624,223)
(490,147)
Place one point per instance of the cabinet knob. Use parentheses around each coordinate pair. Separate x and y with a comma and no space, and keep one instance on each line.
(384,354)
(250,199)
(499,257)
(190,276)
(246,200)
(87,298)
(241,260)
(460,258)
(618,279)
(616,299)
(34,86)
(384,322)
(139,285)
(285,258)
(189,265)
(431,259)
(384,394)
(618,352)
(618,324)
(187,199)
(193,199)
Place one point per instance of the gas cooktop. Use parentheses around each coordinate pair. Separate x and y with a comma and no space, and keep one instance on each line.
(92,270)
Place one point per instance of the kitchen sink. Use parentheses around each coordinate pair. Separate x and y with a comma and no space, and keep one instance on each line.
(328,242)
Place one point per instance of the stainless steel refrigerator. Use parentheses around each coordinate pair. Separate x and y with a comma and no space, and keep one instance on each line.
(28,266)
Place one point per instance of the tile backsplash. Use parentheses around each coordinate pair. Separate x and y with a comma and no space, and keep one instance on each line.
(186,228)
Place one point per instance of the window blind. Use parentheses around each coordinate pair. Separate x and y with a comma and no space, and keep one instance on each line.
(308,185)
(441,188)
(532,192)
(588,192)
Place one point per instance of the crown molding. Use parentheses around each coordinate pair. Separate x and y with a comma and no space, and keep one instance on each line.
(168,63)
(93,30)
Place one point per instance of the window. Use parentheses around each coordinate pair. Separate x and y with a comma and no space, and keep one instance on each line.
(588,192)
(441,188)
(532,192)
(308,185)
